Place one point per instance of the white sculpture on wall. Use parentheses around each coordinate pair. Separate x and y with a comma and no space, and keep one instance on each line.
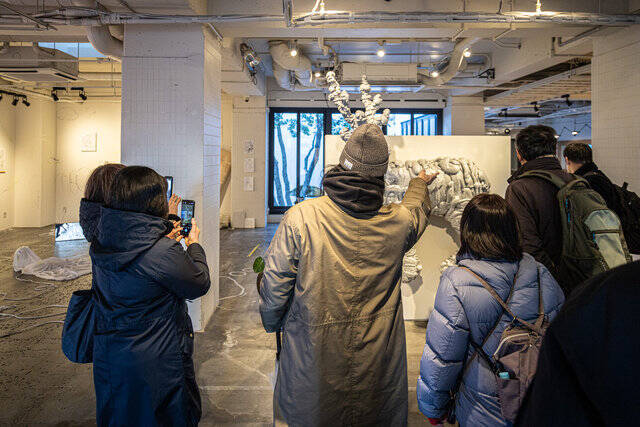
(457,182)
(459,179)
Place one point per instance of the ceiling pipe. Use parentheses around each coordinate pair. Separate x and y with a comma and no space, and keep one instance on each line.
(99,36)
(344,17)
(284,63)
(457,63)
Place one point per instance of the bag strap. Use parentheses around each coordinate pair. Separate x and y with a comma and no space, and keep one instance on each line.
(278,344)
(547,176)
(495,296)
(540,319)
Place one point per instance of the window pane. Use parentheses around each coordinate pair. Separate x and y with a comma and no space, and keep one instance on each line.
(86,50)
(399,124)
(425,124)
(284,158)
(337,123)
(311,154)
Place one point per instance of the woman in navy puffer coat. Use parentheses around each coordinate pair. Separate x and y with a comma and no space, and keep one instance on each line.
(464,311)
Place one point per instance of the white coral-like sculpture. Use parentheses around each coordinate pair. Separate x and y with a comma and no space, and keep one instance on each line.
(457,182)
(371,106)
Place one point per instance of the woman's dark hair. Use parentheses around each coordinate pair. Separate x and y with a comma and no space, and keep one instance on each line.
(139,189)
(489,229)
(535,141)
(578,152)
(99,183)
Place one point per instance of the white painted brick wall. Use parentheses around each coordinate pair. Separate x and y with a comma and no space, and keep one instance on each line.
(171,122)
(615,86)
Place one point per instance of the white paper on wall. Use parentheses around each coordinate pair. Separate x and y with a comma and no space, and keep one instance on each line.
(248,183)
(3,160)
(89,142)
(249,147)
(249,165)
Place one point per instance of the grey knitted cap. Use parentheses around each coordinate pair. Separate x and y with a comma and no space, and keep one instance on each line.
(366,151)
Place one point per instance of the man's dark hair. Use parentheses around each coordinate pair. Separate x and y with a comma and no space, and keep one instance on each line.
(139,189)
(99,183)
(489,229)
(535,141)
(578,152)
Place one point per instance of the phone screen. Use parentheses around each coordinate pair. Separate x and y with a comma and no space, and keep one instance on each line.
(169,186)
(187,211)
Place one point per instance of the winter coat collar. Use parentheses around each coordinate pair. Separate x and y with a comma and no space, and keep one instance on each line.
(544,163)
(496,270)
(354,192)
(586,168)
(89,218)
(123,236)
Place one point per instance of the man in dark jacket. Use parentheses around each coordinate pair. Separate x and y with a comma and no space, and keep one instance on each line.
(587,373)
(579,160)
(534,200)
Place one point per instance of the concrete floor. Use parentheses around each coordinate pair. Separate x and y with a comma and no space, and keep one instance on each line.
(234,357)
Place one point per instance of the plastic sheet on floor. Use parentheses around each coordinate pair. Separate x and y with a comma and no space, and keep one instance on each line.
(25,261)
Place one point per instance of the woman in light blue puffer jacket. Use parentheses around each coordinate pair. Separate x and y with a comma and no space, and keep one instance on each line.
(464,311)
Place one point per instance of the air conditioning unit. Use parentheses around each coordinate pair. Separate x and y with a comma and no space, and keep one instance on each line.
(380,74)
(35,64)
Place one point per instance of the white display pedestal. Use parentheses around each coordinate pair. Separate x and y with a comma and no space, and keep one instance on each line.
(492,154)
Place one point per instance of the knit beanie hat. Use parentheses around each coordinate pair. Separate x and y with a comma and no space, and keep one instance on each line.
(366,151)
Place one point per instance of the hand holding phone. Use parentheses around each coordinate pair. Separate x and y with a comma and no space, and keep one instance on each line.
(194,234)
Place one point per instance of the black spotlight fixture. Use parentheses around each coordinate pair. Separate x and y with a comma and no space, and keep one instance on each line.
(15,101)
(535,105)
(54,95)
(566,99)
(83,95)
(0,96)
(507,131)
(25,102)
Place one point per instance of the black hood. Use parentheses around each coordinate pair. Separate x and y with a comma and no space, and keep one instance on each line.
(355,192)
(123,236)
(550,163)
(89,218)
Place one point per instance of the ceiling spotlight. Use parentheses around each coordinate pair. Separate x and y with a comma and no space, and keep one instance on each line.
(83,95)
(25,102)
(293,49)
(54,95)
(536,107)
(466,53)
(435,73)
(0,96)
(381,51)
(574,132)
(566,99)
(318,74)
(15,101)
(507,131)
(557,136)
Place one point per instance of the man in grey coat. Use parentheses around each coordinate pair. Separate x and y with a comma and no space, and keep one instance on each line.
(332,286)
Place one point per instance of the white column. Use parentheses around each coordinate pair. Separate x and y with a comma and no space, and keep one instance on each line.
(463,115)
(249,126)
(615,103)
(171,122)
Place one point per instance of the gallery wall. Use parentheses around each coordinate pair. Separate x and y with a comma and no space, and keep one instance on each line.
(7,146)
(82,128)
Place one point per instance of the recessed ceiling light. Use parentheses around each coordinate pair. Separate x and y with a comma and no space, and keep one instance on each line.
(466,53)
(435,73)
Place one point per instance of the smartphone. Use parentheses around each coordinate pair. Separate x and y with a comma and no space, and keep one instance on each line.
(188,208)
(169,186)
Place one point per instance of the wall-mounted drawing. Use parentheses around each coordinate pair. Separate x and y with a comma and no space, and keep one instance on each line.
(249,165)
(248,183)
(89,143)
(3,160)
(249,147)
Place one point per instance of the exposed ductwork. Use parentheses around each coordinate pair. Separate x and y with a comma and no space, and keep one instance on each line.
(457,63)
(100,36)
(291,72)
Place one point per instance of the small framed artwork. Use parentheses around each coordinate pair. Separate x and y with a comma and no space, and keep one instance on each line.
(89,143)
(249,165)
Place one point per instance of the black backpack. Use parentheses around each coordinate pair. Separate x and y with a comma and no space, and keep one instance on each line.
(628,210)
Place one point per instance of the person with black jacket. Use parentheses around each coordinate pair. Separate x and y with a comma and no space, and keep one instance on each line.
(579,160)
(534,200)
(587,373)
(143,344)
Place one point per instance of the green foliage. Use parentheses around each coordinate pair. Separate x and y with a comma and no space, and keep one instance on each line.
(258,265)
